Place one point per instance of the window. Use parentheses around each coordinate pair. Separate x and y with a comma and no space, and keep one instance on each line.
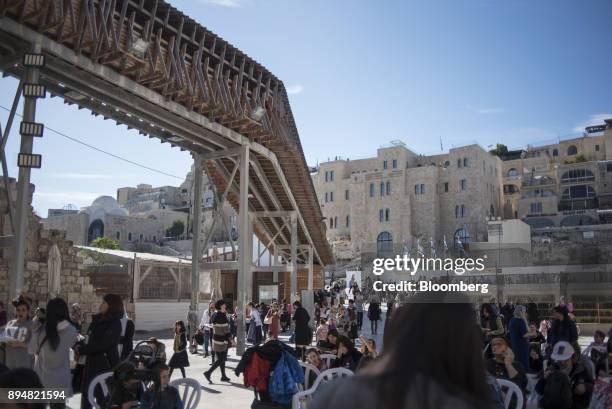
(609,167)
(459,162)
(395,162)
(512,173)
(457,212)
(141,237)
(419,189)
(336,222)
(348,220)
(462,236)
(484,167)
(331,196)
(578,192)
(384,244)
(118,236)
(463,184)
(388,188)
(382,188)
(422,189)
(555,152)
(463,211)
(326,197)
(386,215)
(465,162)
(381,215)
(536,207)
(326,176)
(572,150)
(596,148)
(371,189)
(346,195)
(446,187)
(331,175)
(154,238)
(129,236)
(577,175)
(331,222)
(385,165)
(446,164)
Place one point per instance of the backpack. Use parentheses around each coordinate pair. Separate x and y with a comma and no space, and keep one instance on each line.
(557,392)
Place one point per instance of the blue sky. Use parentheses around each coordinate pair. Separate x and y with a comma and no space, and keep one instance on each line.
(362,73)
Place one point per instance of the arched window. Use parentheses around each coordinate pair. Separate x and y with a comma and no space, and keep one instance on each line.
(555,152)
(388,188)
(463,236)
(578,192)
(384,244)
(572,150)
(446,164)
(577,175)
(512,173)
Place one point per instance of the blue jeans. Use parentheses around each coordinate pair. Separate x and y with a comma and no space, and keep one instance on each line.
(207,340)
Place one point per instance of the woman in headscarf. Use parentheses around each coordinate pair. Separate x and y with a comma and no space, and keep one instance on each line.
(519,335)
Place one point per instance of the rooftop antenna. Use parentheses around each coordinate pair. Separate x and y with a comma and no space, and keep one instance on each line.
(441,147)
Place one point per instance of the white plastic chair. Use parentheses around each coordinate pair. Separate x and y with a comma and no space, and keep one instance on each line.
(189,390)
(509,389)
(308,370)
(328,358)
(301,398)
(100,381)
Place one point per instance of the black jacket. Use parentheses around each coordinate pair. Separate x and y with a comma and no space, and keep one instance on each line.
(303,332)
(101,349)
(127,340)
(563,331)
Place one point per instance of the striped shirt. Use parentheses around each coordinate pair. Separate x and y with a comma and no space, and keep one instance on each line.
(221,331)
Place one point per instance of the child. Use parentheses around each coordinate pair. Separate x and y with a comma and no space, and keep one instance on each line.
(322,331)
(162,396)
(598,351)
(179,359)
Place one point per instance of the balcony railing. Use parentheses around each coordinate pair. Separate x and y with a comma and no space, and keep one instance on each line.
(577,204)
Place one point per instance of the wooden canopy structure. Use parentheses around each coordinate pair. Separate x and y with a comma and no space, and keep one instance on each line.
(168,53)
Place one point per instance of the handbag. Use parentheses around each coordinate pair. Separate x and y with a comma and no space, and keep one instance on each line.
(268,320)
(199,337)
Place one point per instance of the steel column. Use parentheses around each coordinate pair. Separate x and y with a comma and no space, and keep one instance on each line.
(245,253)
(310,269)
(196,250)
(32,75)
(294,263)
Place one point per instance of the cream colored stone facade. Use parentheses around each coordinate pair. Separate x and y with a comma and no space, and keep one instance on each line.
(563,184)
(410,197)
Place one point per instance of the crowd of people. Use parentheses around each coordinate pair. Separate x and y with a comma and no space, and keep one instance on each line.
(435,353)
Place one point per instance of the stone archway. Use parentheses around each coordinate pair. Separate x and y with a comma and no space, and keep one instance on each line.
(96,229)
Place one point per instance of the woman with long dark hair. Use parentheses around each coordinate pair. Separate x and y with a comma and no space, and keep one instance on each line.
(50,344)
(303,332)
(179,359)
(103,336)
(432,360)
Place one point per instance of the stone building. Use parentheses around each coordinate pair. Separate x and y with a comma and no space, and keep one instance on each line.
(401,200)
(568,183)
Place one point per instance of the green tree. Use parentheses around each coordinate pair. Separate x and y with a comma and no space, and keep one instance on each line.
(500,150)
(177,228)
(105,243)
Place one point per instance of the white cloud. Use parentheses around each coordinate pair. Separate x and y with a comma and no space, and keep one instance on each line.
(294,89)
(81,176)
(480,110)
(595,119)
(225,3)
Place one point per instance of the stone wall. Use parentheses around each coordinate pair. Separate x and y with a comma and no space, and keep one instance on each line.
(75,285)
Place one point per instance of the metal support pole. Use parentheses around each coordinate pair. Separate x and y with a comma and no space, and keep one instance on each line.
(294,263)
(310,269)
(245,251)
(23,186)
(196,249)
(275,263)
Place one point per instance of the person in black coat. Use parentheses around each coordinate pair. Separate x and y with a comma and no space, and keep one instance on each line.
(303,332)
(374,316)
(101,350)
(563,328)
(179,359)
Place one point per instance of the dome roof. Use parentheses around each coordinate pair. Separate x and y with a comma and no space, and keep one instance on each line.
(105,205)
